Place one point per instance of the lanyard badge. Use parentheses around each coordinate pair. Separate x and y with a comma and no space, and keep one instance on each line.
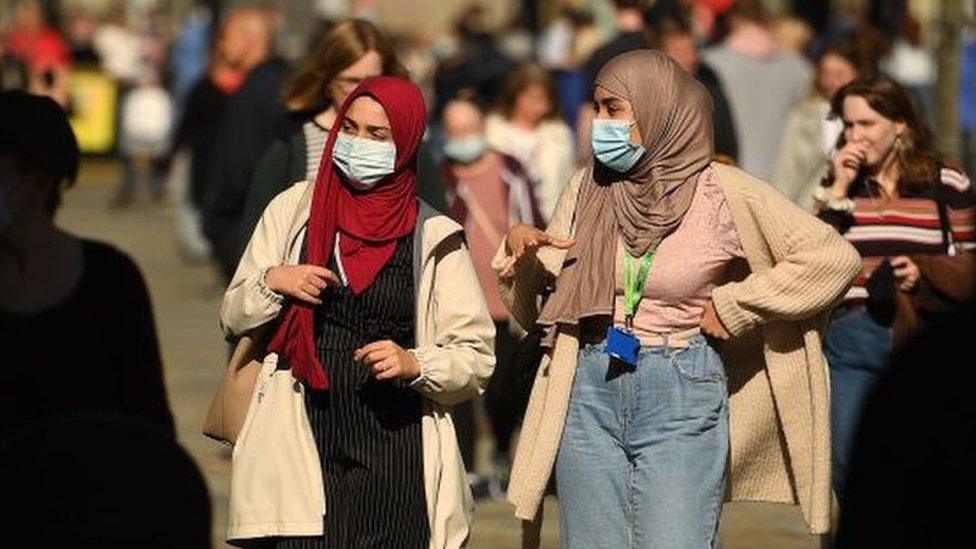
(622,344)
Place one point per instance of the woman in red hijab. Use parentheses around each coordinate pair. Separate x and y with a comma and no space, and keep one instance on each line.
(375,308)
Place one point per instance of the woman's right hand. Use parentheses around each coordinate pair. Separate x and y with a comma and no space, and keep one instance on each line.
(525,239)
(302,282)
(847,162)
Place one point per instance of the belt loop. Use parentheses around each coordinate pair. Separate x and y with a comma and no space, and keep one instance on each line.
(667,346)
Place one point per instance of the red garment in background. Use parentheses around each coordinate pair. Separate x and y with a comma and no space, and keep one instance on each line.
(227,80)
(39,51)
(370,221)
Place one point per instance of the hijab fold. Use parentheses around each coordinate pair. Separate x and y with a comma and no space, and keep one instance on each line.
(641,207)
(370,221)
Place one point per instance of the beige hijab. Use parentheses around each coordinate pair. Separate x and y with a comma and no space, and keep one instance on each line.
(674,115)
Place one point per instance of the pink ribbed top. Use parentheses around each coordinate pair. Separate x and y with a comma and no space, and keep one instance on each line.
(687,265)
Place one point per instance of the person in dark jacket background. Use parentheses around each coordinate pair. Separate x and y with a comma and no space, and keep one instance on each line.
(678,42)
(245,133)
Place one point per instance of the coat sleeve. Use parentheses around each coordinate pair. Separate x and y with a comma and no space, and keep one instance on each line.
(814,267)
(534,274)
(248,302)
(457,366)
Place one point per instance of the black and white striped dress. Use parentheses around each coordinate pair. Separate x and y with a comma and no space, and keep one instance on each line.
(368,432)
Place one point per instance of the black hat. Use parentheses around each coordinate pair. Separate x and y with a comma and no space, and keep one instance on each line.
(35,129)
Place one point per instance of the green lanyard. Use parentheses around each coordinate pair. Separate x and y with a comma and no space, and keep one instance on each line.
(634,286)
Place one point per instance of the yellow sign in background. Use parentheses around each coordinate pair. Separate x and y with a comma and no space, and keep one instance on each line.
(94,102)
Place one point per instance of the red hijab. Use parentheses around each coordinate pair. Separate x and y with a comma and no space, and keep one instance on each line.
(370,221)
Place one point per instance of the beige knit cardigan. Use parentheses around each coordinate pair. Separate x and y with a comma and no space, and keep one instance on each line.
(798,268)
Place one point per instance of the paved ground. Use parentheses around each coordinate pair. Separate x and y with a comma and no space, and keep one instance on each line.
(186,299)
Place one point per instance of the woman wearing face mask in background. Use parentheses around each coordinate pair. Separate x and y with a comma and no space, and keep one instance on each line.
(346,55)
(526,126)
(488,192)
(382,322)
(882,192)
(682,335)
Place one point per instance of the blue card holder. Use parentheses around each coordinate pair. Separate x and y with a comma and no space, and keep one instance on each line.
(622,345)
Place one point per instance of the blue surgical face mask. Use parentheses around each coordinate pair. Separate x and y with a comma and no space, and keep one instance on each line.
(465,149)
(611,144)
(365,162)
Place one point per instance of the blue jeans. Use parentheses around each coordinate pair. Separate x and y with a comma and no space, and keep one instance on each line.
(857,351)
(643,455)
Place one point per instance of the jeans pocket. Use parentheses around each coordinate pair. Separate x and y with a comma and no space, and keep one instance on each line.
(699,364)
(589,349)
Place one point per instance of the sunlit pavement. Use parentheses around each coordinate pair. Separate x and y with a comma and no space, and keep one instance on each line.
(186,299)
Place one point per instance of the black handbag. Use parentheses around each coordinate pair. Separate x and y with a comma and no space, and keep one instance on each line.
(511,382)
(881,287)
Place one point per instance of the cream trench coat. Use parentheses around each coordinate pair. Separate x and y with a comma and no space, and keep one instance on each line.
(454,334)
(779,406)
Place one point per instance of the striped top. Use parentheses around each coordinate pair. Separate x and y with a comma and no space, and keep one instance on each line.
(315,138)
(880,227)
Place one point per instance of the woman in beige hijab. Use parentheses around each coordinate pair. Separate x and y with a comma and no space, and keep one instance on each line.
(651,346)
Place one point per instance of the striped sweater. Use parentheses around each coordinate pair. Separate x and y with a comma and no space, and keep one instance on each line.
(881,228)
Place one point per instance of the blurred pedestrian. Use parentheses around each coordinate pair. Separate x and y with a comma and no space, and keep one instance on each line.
(632,34)
(75,315)
(967,102)
(349,53)
(489,192)
(633,403)
(792,35)
(526,125)
(384,327)
(41,49)
(472,65)
(678,42)
(198,130)
(911,63)
(889,193)
(245,133)
(810,137)
(763,85)
(130,54)
(80,30)
(190,54)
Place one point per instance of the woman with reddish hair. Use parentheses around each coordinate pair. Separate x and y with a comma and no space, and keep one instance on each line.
(909,215)
(374,305)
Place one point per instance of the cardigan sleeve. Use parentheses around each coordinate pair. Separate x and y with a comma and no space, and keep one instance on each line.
(535,273)
(813,266)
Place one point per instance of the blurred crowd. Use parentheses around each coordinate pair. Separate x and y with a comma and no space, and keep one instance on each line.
(770,73)
(206,111)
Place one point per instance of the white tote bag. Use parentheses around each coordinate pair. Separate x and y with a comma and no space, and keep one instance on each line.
(276,476)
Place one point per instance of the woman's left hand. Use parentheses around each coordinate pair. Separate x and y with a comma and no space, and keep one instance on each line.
(907,273)
(711,325)
(388,360)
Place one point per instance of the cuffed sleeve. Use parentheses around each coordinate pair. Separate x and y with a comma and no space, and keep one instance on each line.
(457,366)
(248,301)
(814,269)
